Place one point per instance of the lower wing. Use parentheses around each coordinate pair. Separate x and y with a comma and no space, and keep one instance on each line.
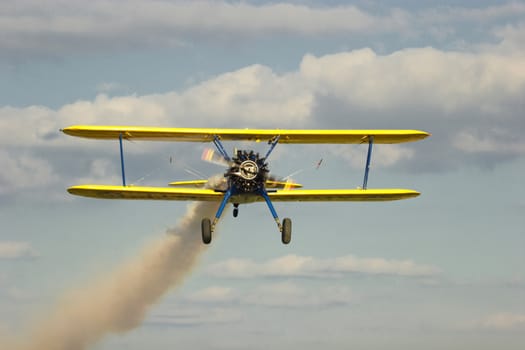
(141,192)
(201,194)
(344,195)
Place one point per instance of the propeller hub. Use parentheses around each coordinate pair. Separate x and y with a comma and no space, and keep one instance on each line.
(248,172)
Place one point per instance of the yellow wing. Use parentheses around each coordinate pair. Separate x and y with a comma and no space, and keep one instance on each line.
(140,192)
(194,194)
(282,184)
(256,135)
(190,183)
(342,195)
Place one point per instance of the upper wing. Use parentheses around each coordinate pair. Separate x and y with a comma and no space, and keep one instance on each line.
(342,195)
(140,192)
(256,135)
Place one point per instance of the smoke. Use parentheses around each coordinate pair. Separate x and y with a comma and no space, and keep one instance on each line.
(119,301)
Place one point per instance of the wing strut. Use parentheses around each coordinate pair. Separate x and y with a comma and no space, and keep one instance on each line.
(368,156)
(273,142)
(122,160)
(220,147)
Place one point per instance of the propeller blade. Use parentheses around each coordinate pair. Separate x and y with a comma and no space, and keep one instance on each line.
(209,155)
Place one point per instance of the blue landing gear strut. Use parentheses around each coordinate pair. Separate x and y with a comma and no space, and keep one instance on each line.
(286,227)
(207,226)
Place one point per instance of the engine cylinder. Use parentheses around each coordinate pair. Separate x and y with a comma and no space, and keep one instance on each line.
(249,171)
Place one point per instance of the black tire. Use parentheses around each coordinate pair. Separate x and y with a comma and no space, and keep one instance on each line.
(286,234)
(206,230)
(235,212)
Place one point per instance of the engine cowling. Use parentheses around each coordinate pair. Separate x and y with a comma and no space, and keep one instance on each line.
(248,172)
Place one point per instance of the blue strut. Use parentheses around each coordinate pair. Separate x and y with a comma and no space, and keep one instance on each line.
(273,142)
(220,147)
(368,156)
(122,160)
(272,209)
(224,201)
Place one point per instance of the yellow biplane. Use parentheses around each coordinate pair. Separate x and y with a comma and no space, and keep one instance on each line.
(247,178)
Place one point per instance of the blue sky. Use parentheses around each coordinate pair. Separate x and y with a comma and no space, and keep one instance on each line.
(444,270)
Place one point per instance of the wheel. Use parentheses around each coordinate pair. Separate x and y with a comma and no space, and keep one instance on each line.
(235,212)
(286,234)
(206,230)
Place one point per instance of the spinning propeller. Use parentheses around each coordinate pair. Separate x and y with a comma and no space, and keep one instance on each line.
(249,171)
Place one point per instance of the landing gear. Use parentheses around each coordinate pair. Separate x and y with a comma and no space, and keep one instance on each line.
(235,209)
(206,230)
(286,231)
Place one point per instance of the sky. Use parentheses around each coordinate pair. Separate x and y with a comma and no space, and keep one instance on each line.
(443,270)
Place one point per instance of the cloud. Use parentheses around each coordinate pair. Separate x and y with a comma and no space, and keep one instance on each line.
(16,250)
(194,316)
(23,171)
(108,87)
(383,156)
(287,294)
(81,27)
(281,294)
(311,267)
(107,25)
(214,294)
(101,171)
(439,80)
(503,321)
(496,141)
(471,102)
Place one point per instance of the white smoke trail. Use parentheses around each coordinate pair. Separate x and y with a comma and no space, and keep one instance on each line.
(119,302)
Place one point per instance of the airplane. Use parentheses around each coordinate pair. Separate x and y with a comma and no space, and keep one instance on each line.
(247,178)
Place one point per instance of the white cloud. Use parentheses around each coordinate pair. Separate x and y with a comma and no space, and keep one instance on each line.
(503,321)
(214,294)
(23,171)
(382,156)
(457,96)
(498,141)
(253,95)
(446,81)
(107,25)
(458,14)
(512,37)
(107,87)
(305,266)
(287,294)
(17,250)
(101,171)
(423,79)
(282,294)
(186,316)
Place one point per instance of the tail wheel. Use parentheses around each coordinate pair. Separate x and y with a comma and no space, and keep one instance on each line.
(206,230)
(286,233)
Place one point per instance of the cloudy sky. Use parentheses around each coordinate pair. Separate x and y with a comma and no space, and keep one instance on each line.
(444,270)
